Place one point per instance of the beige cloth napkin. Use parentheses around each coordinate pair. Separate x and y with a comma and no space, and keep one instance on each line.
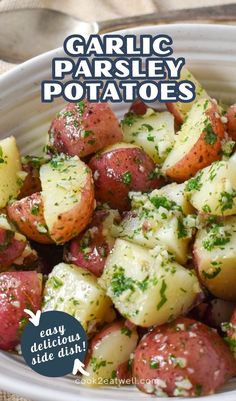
(92,10)
(95,10)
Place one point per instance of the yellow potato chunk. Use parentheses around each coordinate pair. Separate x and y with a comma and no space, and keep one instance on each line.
(147,286)
(10,170)
(74,290)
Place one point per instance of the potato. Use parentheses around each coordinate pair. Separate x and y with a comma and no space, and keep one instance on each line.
(215,257)
(180,110)
(18,290)
(138,107)
(83,128)
(119,169)
(231,121)
(68,197)
(213,312)
(229,326)
(213,189)
(72,290)
(154,132)
(147,286)
(11,177)
(102,361)
(91,248)
(16,252)
(197,144)
(32,183)
(28,216)
(157,219)
(183,358)
(12,245)
(176,193)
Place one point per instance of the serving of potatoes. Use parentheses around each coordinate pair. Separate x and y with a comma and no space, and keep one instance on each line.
(130,227)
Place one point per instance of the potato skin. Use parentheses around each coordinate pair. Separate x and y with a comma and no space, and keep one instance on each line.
(213,312)
(201,154)
(72,222)
(123,336)
(26,214)
(138,107)
(10,248)
(84,128)
(91,248)
(231,123)
(18,290)
(183,357)
(118,170)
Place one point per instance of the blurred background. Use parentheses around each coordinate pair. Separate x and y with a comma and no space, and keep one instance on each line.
(98,10)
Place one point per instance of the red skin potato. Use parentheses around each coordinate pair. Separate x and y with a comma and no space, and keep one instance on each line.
(201,154)
(213,312)
(85,130)
(108,329)
(231,123)
(207,362)
(18,290)
(110,169)
(10,248)
(138,107)
(20,213)
(231,331)
(94,240)
(124,372)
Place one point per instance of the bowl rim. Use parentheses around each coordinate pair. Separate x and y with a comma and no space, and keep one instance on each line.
(25,66)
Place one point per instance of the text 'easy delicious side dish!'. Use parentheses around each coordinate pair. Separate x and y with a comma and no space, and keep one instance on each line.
(131,229)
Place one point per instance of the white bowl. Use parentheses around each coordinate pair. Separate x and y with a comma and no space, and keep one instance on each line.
(210,51)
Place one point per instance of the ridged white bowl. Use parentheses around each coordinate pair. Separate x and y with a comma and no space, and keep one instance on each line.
(210,52)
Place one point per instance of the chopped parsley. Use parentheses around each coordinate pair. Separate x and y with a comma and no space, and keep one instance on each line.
(148,127)
(126,331)
(56,282)
(194,184)
(206,209)
(96,364)
(143,285)
(80,107)
(22,323)
(226,200)
(1,156)
(35,210)
(162,294)
(213,274)
(87,133)
(198,390)
(154,364)
(182,230)
(210,137)
(120,282)
(130,119)
(162,201)
(231,342)
(216,237)
(68,114)
(127,178)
